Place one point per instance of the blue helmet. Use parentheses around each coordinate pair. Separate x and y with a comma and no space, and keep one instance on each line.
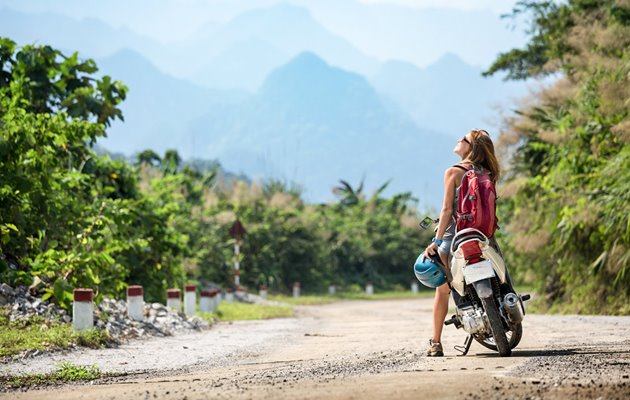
(429,272)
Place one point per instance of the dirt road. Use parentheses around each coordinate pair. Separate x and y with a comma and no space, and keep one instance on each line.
(361,350)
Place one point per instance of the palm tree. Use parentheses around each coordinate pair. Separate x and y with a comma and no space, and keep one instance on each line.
(347,194)
(148,157)
(171,162)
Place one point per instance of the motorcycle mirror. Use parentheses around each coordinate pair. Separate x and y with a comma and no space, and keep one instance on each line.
(427,222)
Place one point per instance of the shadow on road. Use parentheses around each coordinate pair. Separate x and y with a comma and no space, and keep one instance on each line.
(552,353)
(535,353)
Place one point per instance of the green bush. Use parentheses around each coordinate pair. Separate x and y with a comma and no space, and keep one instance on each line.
(566,202)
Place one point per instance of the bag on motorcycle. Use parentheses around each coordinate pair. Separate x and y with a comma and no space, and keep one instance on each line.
(476,206)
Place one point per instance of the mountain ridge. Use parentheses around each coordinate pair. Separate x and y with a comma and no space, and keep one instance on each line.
(354,135)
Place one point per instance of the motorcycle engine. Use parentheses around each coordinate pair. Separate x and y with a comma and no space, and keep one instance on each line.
(472,319)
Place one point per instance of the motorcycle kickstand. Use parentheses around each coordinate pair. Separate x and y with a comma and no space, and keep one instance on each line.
(464,349)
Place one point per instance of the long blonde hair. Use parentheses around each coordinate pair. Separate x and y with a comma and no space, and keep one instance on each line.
(482,153)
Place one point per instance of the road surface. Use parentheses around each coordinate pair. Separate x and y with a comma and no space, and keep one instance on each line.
(354,350)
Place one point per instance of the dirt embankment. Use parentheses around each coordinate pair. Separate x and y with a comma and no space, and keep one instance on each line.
(357,349)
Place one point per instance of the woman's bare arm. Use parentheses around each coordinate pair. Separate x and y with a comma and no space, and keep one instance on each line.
(450,179)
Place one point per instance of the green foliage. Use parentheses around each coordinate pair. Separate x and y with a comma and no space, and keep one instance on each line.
(72,218)
(68,372)
(41,334)
(358,294)
(303,300)
(244,311)
(549,20)
(65,372)
(46,81)
(568,195)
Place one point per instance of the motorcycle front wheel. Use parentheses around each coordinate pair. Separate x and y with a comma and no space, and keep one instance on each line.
(496,325)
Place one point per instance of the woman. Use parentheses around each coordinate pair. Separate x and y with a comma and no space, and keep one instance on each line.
(475,149)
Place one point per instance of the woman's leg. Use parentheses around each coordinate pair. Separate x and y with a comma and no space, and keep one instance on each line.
(440,305)
(440,309)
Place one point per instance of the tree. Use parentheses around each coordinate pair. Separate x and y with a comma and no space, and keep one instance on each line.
(71,218)
(49,82)
(567,208)
(148,157)
(171,162)
(348,196)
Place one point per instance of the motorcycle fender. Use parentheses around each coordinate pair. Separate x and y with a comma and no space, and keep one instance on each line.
(497,262)
(457,272)
(478,271)
(483,288)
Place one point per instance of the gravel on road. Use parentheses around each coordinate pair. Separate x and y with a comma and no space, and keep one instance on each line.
(355,349)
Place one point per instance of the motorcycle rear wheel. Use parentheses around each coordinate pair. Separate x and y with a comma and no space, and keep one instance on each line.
(514,338)
(496,326)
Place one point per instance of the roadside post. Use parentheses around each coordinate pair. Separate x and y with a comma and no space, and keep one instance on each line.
(229,295)
(173,300)
(205,301)
(332,289)
(237,231)
(190,299)
(135,302)
(296,289)
(215,298)
(262,291)
(83,309)
(414,287)
(369,288)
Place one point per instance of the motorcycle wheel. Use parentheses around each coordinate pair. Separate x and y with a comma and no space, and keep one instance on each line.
(496,326)
(513,337)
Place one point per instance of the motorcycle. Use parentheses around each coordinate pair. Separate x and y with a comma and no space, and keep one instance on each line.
(487,306)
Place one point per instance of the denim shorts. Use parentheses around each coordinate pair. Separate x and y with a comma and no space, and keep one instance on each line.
(445,247)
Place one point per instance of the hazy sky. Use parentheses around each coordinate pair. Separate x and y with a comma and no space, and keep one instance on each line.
(499,6)
(420,34)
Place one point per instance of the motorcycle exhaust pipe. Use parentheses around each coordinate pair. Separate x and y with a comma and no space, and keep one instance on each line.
(513,308)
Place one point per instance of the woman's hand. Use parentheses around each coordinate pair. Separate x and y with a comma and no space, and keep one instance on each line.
(430,250)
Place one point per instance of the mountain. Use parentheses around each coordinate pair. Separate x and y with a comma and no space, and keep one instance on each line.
(421,35)
(89,36)
(310,116)
(158,107)
(242,65)
(315,124)
(236,55)
(448,95)
(282,31)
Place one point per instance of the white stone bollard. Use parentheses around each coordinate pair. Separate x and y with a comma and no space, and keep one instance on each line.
(135,302)
(414,287)
(229,295)
(174,300)
(215,299)
(240,293)
(369,289)
(205,301)
(83,309)
(296,289)
(190,300)
(262,291)
(332,289)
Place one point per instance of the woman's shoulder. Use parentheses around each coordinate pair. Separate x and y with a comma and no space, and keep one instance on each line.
(461,167)
(458,169)
(456,173)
